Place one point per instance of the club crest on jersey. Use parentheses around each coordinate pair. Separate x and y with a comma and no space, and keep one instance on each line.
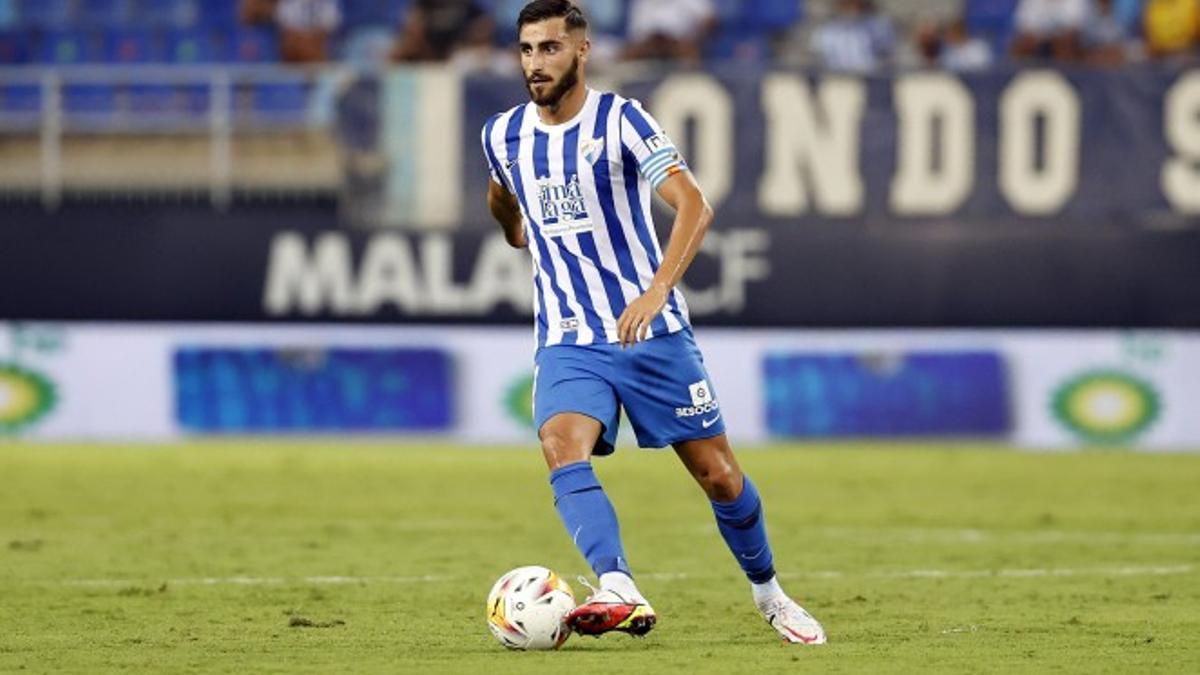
(592,150)
(564,210)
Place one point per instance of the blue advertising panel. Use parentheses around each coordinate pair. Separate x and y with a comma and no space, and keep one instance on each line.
(259,390)
(862,395)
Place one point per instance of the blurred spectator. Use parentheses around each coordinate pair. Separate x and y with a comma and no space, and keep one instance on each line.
(305,27)
(857,39)
(8,13)
(950,46)
(1171,27)
(258,11)
(962,52)
(1105,38)
(437,30)
(1050,29)
(669,29)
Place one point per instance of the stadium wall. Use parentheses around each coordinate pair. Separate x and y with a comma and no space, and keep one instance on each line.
(162,382)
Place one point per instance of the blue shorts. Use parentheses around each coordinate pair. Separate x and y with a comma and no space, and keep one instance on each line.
(662,384)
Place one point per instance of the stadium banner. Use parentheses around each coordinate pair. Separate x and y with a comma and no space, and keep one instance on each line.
(1034,389)
(1040,146)
(290,262)
(306,390)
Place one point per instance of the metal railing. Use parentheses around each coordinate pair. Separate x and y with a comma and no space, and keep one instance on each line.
(54,102)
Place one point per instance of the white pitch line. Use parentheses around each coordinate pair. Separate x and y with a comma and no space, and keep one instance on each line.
(1029,573)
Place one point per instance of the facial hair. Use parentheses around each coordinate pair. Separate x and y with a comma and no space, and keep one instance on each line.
(553,98)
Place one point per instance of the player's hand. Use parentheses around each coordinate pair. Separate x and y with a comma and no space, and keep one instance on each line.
(635,320)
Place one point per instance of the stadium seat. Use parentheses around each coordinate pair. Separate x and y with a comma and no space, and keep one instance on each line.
(991,20)
(193,45)
(218,14)
(280,101)
(102,13)
(154,98)
(15,48)
(133,46)
(363,13)
(254,45)
(44,14)
(21,98)
(89,100)
(167,13)
(66,47)
(772,15)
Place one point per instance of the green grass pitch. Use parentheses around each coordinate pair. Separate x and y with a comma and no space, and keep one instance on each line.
(326,558)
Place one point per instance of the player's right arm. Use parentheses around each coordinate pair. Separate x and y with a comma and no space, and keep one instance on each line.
(507,211)
(501,201)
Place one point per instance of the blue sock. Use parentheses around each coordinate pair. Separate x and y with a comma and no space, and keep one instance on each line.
(745,532)
(589,517)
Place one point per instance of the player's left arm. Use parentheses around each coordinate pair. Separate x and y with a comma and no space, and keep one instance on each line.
(693,215)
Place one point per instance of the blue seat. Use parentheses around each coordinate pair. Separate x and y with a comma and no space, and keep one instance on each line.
(772,15)
(21,98)
(133,46)
(45,14)
(219,14)
(360,13)
(89,100)
(280,101)
(102,13)
(194,46)
(66,47)
(254,45)
(167,13)
(991,20)
(154,98)
(15,48)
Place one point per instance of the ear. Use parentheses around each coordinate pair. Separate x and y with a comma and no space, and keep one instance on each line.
(585,48)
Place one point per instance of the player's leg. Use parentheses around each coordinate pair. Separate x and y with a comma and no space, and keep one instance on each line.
(576,415)
(740,519)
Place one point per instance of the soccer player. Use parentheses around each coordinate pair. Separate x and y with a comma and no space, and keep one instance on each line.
(573,173)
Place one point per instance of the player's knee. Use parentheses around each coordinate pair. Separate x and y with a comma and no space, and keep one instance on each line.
(722,482)
(561,447)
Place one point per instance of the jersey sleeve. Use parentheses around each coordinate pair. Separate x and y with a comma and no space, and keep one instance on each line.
(489,152)
(656,155)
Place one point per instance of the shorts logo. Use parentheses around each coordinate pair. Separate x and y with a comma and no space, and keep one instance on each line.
(703,402)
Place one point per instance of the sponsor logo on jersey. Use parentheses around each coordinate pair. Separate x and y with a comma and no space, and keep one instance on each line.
(564,210)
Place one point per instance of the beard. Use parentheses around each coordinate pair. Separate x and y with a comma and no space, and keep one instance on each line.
(554,96)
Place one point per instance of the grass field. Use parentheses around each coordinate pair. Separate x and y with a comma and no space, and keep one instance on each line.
(252,558)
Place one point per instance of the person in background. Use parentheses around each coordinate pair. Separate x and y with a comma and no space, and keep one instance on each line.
(438,30)
(857,39)
(1050,29)
(1105,38)
(669,29)
(962,52)
(305,27)
(1172,28)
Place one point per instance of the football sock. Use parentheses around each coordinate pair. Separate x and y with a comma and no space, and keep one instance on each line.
(621,584)
(768,590)
(589,517)
(741,524)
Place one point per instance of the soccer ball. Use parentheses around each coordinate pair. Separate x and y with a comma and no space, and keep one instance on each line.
(527,606)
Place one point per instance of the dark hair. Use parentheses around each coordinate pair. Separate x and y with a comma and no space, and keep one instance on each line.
(540,10)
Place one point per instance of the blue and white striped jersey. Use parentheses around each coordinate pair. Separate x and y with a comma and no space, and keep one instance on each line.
(585,188)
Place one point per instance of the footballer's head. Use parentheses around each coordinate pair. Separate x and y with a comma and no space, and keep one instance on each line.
(554,44)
